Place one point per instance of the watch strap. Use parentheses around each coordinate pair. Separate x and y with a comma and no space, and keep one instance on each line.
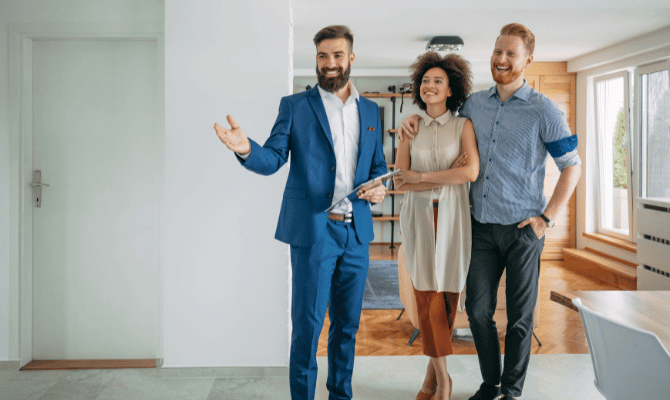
(549,222)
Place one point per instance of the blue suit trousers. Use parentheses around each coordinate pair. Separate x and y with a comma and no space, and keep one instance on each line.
(329,274)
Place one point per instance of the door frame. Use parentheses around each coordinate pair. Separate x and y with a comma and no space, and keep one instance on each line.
(20,114)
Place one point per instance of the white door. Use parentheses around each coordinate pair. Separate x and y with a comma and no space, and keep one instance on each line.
(98,145)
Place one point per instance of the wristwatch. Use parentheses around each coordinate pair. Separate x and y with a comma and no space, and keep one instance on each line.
(550,223)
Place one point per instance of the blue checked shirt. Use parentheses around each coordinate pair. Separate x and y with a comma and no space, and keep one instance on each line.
(514,138)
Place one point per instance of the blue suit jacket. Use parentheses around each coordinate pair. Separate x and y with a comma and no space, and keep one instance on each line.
(302,130)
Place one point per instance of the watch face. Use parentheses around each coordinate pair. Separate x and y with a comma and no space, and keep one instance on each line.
(551,224)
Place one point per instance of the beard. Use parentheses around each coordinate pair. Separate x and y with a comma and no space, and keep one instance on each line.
(505,78)
(334,83)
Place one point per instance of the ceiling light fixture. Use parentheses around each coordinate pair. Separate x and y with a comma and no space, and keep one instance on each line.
(445,43)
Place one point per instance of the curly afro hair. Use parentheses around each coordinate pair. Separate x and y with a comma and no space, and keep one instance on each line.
(458,73)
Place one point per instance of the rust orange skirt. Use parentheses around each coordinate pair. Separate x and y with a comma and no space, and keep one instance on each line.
(437,312)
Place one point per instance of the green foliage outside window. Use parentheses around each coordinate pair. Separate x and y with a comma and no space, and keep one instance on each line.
(620,175)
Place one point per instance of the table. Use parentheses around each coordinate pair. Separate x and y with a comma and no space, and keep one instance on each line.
(648,310)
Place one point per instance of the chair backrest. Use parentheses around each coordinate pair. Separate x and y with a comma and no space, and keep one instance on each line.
(629,363)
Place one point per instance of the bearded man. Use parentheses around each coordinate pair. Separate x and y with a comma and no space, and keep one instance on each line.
(515,127)
(335,141)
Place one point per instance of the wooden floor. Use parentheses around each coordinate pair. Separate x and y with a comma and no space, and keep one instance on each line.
(560,329)
(383,251)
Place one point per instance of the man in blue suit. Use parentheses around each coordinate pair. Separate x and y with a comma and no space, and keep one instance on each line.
(335,141)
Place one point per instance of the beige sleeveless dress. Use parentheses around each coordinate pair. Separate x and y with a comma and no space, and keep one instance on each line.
(437,264)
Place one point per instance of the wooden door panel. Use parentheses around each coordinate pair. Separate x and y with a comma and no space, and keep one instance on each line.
(558,85)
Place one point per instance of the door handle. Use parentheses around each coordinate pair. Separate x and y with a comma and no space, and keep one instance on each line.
(37,184)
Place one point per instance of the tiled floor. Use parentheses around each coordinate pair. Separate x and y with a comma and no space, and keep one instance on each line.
(568,376)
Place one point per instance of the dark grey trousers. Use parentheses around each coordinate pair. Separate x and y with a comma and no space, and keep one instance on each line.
(494,248)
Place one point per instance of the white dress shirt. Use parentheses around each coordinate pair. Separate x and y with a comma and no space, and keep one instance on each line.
(345,128)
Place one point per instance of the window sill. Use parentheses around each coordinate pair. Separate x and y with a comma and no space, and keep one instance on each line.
(622,244)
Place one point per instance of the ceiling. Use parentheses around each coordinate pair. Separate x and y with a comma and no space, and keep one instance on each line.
(390,34)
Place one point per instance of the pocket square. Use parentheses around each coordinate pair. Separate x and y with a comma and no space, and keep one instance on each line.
(372,128)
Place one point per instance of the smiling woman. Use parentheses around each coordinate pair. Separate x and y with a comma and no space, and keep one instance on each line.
(452,65)
(437,260)
(434,89)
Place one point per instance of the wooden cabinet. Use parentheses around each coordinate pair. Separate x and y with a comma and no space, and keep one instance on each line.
(553,80)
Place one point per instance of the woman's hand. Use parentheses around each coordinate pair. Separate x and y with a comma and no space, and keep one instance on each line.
(405,176)
(460,161)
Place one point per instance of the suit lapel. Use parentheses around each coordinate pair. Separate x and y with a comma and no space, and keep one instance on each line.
(366,139)
(320,111)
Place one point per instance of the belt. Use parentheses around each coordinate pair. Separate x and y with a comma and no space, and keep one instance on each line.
(341,217)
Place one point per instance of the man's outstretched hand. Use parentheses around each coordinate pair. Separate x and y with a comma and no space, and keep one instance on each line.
(234,138)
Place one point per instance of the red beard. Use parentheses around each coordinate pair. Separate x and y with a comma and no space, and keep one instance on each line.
(505,78)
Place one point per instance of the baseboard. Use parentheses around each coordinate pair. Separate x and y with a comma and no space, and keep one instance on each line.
(618,274)
(611,257)
(47,365)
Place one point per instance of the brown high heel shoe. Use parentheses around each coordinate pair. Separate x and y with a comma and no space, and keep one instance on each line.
(424,396)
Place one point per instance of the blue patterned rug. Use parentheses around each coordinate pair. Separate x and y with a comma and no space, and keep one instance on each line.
(381,287)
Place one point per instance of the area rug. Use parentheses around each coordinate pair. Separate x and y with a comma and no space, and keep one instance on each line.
(381,287)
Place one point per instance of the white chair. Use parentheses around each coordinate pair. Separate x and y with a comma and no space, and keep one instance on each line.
(629,363)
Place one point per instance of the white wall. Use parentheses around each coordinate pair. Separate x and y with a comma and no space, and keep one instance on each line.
(39,12)
(225,279)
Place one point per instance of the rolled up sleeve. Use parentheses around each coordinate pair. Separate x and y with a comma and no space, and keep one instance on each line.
(557,137)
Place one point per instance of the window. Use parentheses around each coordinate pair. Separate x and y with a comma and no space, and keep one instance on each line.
(612,115)
(654,130)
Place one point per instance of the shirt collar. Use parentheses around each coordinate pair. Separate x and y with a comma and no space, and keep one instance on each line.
(522,93)
(492,91)
(329,95)
(442,119)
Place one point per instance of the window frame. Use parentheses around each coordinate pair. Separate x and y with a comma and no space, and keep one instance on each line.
(640,140)
(632,234)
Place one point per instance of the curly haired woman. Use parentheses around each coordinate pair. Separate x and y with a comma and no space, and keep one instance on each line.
(437,261)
